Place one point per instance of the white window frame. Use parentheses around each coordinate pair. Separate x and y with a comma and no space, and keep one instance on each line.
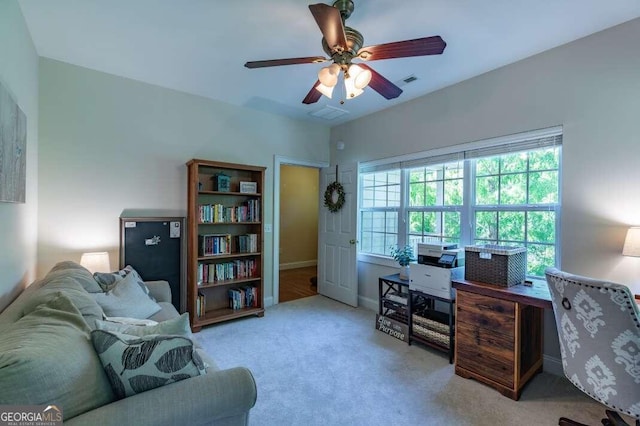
(488,147)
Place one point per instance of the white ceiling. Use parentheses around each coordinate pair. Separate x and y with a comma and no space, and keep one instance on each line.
(200,46)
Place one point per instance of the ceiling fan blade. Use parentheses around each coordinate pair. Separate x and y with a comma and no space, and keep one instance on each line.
(381,84)
(330,23)
(289,61)
(313,96)
(402,49)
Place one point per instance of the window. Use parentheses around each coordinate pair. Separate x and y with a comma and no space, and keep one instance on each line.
(504,194)
(435,203)
(516,202)
(380,202)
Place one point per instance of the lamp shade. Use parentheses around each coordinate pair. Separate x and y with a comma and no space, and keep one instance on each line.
(325,90)
(96,262)
(632,242)
(329,75)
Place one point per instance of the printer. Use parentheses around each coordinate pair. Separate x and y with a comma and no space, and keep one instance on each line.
(438,264)
(445,255)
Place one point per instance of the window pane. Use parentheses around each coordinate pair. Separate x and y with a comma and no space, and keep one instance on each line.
(486,226)
(539,257)
(451,227)
(543,187)
(541,227)
(545,159)
(511,226)
(366,221)
(415,222)
(417,195)
(513,163)
(487,166)
(487,190)
(391,219)
(453,192)
(513,189)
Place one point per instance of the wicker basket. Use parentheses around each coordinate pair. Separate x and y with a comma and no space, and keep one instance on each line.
(494,264)
(431,330)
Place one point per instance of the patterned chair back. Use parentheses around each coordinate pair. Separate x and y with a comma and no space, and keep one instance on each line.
(599,329)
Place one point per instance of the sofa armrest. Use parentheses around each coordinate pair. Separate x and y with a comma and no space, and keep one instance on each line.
(217,395)
(160,290)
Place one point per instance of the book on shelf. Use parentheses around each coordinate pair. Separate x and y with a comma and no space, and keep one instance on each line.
(201,305)
(243,297)
(247,243)
(209,273)
(249,211)
(212,244)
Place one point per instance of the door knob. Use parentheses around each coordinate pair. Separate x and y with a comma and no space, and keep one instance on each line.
(353,241)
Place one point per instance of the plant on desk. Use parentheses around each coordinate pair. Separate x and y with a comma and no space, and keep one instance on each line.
(404,256)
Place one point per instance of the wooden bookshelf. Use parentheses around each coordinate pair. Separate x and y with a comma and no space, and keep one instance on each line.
(234,213)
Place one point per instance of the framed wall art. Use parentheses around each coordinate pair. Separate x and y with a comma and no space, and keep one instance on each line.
(13,149)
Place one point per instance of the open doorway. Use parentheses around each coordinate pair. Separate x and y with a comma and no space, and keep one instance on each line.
(314,166)
(298,242)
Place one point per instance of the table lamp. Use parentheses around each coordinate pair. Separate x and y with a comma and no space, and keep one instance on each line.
(632,242)
(96,262)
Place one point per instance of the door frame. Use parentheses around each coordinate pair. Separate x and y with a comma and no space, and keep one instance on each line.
(278,161)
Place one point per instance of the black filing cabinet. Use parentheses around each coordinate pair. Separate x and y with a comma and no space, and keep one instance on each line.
(155,247)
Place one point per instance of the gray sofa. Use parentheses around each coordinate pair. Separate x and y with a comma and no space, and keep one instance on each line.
(46,357)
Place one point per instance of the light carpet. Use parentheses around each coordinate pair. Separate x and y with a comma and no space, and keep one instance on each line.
(320,362)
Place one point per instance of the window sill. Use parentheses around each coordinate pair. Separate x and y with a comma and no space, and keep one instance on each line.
(377,260)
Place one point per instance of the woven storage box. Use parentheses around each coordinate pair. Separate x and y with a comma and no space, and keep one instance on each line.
(494,264)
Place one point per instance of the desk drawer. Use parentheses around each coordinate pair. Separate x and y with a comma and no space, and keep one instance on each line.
(492,314)
(485,352)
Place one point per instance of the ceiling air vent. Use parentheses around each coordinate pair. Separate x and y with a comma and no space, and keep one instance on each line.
(404,81)
(329,113)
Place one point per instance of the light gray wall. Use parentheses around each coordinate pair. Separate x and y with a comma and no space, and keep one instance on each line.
(18,222)
(110,144)
(591,87)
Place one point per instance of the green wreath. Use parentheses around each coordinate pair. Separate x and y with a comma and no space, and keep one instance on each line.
(334,206)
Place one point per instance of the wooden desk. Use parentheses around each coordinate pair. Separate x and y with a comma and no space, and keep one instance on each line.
(499,333)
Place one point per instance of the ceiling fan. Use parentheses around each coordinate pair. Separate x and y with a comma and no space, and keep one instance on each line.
(343,44)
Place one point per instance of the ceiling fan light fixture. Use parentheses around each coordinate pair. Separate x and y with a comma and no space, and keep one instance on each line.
(325,90)
(350,87)
(361,77)
(329,75)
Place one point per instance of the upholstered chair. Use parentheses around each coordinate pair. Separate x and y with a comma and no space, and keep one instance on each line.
(599,329)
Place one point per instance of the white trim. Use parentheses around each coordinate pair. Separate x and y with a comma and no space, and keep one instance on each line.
(278,161)
(483,143)
(552,365)
(268,301)
(296,265)
(367,303)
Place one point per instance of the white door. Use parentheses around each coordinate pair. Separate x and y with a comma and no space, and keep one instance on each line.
(337,248)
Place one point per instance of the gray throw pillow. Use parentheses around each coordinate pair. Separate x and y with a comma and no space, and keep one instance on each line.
(138,364)
(126,299)
(178,326)
(108,280)
(46,357)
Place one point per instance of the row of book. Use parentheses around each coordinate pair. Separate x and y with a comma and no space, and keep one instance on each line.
(218,213)
(212,244)
(237,269)
(243,297)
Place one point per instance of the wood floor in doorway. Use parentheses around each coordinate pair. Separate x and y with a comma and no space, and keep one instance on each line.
(296,283)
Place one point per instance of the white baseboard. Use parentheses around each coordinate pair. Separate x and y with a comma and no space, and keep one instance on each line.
(295,265)
(371,304)
(268,301)
(552,365)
